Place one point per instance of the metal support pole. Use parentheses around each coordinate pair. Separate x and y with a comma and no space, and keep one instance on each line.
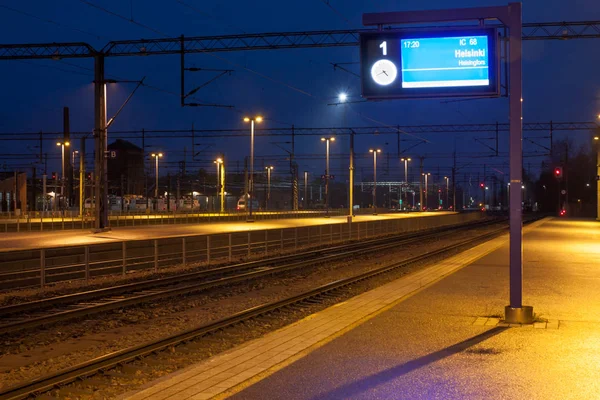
(327,181)
(100,135)
(351,180)
(251,184)
(81,176)
(516,312)
(374,182)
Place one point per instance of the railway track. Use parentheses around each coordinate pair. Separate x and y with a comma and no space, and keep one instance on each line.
(112,360)
(62,308)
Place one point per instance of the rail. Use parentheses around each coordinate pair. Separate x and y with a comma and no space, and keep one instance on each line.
(127,355)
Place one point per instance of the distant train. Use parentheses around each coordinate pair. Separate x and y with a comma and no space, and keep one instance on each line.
(140,203)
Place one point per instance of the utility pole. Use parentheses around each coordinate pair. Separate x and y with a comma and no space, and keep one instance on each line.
(145,173)
(294,172)
(81,175)
(351,179)
(68,167)
(454,182)
(421,182)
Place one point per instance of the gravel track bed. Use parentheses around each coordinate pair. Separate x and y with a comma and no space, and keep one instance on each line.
(76,286)
(48,349)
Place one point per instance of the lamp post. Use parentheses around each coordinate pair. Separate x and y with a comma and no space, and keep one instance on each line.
(269,169)
(305,190)
(342,97)
(62,175)
(374,151)
(156,157)
(327,140)
(251,183)
(426,192)
(597,143)
(406,160)
(220,184)
(447,181)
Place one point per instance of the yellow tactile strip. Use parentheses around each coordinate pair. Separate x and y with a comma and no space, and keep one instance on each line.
(263,356)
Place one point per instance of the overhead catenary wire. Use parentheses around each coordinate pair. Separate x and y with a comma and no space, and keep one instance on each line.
(50,21)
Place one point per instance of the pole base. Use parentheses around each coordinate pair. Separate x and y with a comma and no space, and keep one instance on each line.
(101,230)
(522,315)
(349,218)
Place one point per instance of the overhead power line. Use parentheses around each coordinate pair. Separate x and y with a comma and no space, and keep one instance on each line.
(61,25)
(130,20)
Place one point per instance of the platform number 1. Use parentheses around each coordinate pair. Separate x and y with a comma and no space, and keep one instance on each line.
(383,46)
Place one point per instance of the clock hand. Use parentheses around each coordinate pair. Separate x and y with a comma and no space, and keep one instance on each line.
(385,73)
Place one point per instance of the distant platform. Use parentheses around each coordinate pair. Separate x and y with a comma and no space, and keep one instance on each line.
(31,240)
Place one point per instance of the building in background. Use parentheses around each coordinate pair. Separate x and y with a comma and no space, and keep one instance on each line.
(13,192)
(125,168)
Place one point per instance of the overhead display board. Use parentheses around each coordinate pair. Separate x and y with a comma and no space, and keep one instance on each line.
(437,63)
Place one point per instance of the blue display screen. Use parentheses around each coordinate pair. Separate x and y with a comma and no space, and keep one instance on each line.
(445,62)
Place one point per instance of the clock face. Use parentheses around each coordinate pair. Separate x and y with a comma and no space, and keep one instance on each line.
(384,72)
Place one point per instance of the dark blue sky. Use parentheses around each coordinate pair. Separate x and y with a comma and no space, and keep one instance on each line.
(561,80)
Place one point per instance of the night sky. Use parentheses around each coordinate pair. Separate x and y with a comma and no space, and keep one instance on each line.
(561,80)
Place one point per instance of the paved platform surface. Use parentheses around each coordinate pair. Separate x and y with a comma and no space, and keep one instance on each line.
(29,240)
(424,337)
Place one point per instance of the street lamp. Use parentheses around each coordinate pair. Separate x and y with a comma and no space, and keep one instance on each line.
(269,169)
(305,190)
(73,154)
(156,157)
(426,192)
(220,184)
(406,160)
(327,140)
(374,151)
(251,183)
(62,176)
(447,180)
(342,97)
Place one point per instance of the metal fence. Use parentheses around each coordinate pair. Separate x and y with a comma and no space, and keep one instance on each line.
(60,220)
(39,267)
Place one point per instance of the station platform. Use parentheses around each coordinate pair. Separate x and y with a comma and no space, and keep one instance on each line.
(436,333)
(34,240)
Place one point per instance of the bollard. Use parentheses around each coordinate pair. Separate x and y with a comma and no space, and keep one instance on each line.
(43,268)
(296,238)
(86,257)
(124,251)
(208,249)
(155,255)
(249,244)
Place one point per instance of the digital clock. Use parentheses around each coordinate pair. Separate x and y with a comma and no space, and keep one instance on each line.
(411,44)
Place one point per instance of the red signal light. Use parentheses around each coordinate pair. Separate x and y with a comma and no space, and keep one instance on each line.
(481,185)
(558,172)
